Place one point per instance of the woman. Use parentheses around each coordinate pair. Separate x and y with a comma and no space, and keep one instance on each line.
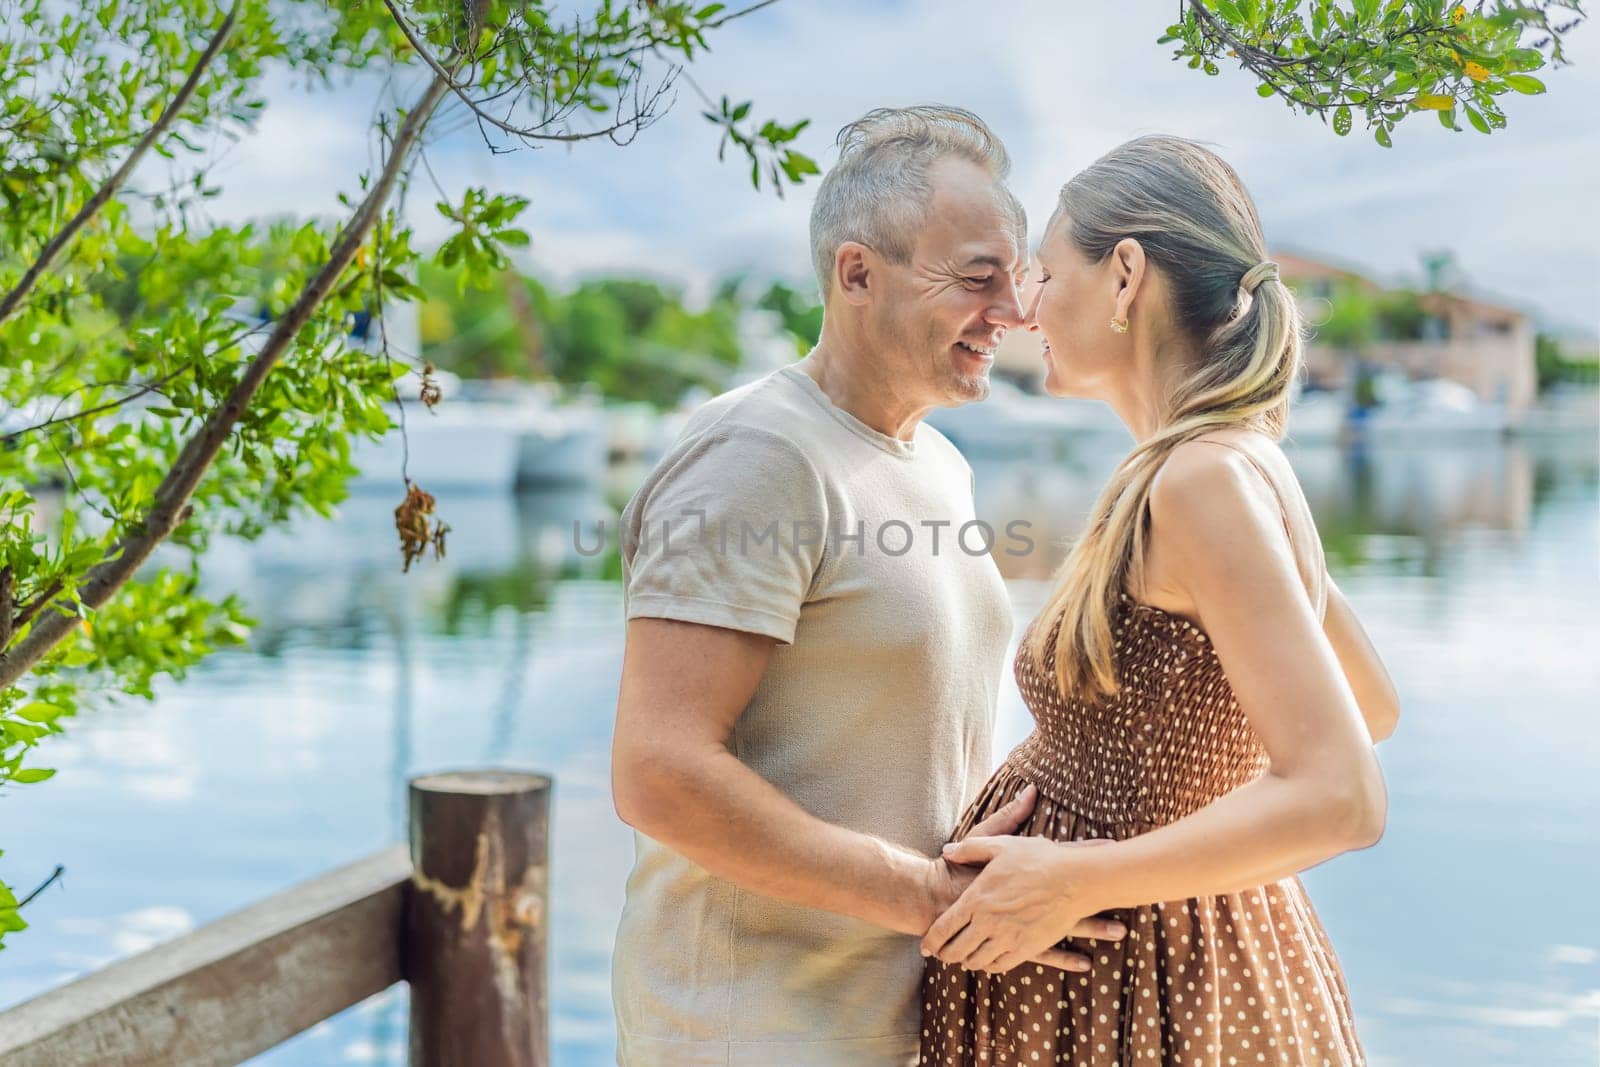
(1206,703)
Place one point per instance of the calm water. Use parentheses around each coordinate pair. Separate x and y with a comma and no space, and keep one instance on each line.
(1469,935)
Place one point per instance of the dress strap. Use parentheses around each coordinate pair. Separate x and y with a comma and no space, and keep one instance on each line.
(1320,583)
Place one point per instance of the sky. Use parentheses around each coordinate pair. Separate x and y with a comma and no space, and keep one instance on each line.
(1061,83)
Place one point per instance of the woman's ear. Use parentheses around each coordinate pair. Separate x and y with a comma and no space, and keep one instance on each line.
(1128,271)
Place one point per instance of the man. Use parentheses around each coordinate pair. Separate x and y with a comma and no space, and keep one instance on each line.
(816,636)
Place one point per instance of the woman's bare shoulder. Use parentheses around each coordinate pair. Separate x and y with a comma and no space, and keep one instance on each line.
(1211,472)
(1231,496)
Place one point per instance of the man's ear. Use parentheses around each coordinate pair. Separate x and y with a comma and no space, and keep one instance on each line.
(854,268)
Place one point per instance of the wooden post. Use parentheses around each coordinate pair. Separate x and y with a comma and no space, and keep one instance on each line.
(476,922)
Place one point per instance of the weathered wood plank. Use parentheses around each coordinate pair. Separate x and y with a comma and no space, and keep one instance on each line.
(476,924)
(231,989)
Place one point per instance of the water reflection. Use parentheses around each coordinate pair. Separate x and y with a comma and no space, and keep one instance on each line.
(1401,506)
(1475,568)
(329,583)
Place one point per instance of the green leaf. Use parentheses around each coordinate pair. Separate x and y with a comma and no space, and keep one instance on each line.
(39,711)
(32,774)
(1526,84)
(1264,90)
(15,732)
(800,163)
(1381,135)
(1341,120)
(1475,117)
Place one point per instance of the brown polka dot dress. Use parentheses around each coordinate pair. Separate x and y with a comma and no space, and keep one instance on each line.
(1244,978)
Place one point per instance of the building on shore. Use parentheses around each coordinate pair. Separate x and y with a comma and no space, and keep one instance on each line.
(1435,334)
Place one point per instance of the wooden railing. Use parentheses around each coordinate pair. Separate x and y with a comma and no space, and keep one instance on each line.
(460,915)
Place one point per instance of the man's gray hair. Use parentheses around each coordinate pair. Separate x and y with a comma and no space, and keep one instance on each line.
(878,193)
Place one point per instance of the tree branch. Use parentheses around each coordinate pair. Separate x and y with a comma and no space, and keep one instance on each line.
(53,249)
(171,504)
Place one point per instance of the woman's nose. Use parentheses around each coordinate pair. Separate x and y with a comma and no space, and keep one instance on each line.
(1030,317)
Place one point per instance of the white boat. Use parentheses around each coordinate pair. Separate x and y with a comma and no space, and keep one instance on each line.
(1428,411)
(563,437)
(631,431)
(457,446)
(1012,423)
(565,446)
(488,437)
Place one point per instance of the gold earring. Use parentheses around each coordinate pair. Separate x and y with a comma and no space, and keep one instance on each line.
(1119,325)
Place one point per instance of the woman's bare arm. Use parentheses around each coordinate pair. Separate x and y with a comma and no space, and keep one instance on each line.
(1363,668)
(1323,791)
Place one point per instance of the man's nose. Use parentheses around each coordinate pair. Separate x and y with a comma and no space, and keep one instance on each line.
(1008,310)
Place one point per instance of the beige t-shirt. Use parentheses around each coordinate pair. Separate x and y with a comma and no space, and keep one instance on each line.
(778,513)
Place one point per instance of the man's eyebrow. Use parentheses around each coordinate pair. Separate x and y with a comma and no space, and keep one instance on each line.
(985,260)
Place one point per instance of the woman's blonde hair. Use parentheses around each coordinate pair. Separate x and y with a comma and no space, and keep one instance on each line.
(1198,227)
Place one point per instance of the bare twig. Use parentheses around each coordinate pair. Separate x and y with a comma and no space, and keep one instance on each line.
(383,339)
(554,113)
(741,13)
(31,609)
(7,605)
(153,386)
(55,876)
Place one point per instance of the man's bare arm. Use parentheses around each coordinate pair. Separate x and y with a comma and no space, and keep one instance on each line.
(674,779)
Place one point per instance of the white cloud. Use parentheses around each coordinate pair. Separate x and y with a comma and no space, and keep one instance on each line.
(362,1050)
(1061,83)
(128,933)
(1571,954)
(1558,1011)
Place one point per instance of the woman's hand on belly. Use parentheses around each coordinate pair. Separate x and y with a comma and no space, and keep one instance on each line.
(946,881)
(1017,907)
